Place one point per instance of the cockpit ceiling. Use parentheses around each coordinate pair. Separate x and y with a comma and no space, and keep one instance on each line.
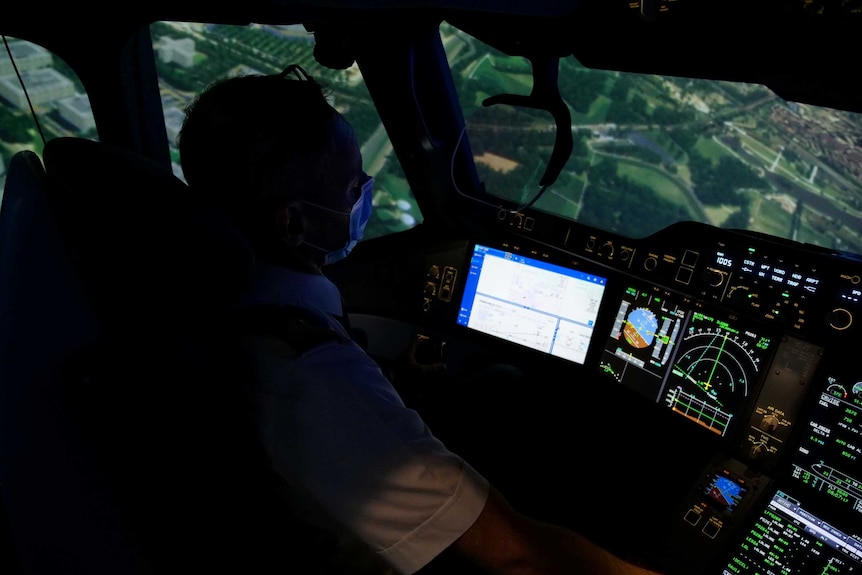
(802,49)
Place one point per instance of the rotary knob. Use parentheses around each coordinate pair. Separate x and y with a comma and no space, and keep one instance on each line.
(839,318)
(712,277)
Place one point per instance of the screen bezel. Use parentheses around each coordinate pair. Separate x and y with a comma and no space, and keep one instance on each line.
(572,269)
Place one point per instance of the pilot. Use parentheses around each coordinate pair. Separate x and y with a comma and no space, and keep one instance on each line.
(272,154)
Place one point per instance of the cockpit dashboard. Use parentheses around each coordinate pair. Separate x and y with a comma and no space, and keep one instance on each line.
(687,395)
(717,364)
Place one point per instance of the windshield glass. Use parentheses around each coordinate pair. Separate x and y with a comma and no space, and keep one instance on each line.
(653,150)
(41,98)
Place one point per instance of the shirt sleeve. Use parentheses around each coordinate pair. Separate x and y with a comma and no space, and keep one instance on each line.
(334,426)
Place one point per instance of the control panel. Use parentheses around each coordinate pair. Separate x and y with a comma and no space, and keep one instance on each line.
(746,339)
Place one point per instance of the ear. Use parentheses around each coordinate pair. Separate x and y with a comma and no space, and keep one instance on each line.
(291,223)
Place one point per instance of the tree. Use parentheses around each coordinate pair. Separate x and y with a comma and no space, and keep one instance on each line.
(14,128)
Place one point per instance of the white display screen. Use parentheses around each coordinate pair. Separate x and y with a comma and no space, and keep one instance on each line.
(534,303)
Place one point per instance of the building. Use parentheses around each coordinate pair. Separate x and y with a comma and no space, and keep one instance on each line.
(28,56)
(44,85)
(77,111)
(173,123)
(181,52)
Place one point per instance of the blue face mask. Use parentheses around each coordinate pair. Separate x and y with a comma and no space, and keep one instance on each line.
(357,216)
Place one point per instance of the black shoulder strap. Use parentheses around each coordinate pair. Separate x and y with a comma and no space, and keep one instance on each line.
(296,326)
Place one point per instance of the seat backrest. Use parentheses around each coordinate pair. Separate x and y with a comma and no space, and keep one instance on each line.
(124,446)
(58,505)
(163,403)
(145,251)
(123,443)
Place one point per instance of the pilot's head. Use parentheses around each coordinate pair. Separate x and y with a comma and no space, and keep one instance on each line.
(275,156)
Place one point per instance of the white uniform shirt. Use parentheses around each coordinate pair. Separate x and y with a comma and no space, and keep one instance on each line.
(336,429)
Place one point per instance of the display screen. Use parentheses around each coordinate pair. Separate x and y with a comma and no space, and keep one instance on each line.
(829,455)
(701,366)
(789,537)
(725,492)
(530,302)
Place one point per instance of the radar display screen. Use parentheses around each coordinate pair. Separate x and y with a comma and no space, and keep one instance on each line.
(702,367)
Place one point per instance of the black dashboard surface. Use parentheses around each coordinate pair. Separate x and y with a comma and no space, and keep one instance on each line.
(715,416)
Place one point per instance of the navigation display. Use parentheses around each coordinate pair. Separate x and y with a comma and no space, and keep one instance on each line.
(530,302)
(702,367)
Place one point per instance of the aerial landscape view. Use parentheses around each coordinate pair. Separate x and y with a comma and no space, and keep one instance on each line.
(647,150)
(650,150)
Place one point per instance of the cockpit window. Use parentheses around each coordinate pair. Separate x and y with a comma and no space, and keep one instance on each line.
(35,77)
(653,150)
(191,56)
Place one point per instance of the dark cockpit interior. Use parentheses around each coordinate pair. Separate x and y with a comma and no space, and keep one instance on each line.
(631,230)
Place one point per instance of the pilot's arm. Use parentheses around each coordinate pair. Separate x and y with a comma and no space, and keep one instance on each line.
(504,542)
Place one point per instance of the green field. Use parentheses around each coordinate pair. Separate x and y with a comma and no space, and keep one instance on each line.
(663,185)
(718,214)
(711,149)
(770,217)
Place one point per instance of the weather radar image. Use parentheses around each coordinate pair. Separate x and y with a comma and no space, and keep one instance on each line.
(701,367)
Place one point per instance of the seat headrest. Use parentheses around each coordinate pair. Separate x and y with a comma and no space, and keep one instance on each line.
(143,248)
